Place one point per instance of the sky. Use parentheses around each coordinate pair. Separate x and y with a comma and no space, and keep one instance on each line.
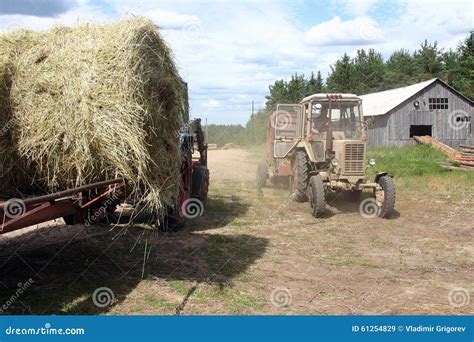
(229,52)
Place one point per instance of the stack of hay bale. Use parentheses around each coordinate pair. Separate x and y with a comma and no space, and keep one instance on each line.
(90,103)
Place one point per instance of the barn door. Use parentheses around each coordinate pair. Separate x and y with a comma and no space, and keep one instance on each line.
(288,128)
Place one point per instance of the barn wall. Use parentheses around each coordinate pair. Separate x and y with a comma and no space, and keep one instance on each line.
(377,132)
(393,129)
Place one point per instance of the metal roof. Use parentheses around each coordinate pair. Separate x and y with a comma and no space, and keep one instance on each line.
(382,102)
(323,96)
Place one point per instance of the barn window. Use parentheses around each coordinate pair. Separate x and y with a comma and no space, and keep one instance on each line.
(438,103)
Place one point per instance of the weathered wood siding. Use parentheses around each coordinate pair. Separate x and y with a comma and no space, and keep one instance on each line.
(393,128)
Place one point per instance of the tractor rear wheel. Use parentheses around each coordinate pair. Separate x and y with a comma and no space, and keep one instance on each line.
(317,196)
(385,196)
(299,180)
(262,173)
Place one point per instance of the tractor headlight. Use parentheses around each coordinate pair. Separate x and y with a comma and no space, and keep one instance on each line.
(334,162)
(372,162)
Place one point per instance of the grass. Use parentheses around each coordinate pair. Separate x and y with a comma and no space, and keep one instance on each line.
(408,161)
(418,168)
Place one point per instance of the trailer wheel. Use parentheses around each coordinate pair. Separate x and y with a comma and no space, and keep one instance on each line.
(316,196)
(299,180)
(173,220)
(385,196)
(200,186)
(262,174)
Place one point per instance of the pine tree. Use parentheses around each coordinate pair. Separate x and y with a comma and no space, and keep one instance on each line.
(341,77)
(429,60)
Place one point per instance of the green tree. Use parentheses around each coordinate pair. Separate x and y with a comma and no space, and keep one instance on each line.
(278,94)
(429,60)
(462,73)
(314,84)
(296,88)
(400,69)
(341,78)
(369,71)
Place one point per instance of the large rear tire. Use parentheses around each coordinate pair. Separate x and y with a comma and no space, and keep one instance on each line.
(299,180)
(385,196)
(262,174)
(317,196)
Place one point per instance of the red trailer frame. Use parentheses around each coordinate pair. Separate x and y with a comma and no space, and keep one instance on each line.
(80,205)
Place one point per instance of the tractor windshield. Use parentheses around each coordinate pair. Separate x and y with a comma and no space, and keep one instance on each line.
(343,116)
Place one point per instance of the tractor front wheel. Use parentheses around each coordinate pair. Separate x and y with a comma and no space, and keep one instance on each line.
(299,179)
(316,195)
(385,196)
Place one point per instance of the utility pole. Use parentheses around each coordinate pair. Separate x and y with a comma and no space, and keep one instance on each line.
(253,120)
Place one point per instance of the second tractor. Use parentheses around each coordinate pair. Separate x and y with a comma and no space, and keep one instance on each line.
(318,146)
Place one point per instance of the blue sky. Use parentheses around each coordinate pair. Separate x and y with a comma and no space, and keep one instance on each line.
(230,51)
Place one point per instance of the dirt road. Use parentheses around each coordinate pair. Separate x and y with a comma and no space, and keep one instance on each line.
(257,252)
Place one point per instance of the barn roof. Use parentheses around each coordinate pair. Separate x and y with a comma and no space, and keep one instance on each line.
(382,102)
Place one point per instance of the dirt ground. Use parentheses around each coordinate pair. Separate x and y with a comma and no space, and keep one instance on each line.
(253,252)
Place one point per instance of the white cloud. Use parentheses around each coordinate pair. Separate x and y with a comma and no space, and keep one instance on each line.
(211,104)
(172,20)
(358,31)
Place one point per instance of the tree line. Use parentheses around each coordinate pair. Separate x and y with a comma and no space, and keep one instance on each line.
(367,72)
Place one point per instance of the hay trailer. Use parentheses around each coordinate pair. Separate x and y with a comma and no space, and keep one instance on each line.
(97,202)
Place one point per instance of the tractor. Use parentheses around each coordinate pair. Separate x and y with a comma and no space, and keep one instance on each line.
(319,146)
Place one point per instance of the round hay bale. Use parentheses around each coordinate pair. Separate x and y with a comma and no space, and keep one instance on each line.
(96,102)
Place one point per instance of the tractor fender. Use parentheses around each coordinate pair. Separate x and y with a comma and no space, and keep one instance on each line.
(378,175)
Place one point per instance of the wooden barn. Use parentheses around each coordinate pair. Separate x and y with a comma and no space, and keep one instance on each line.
(431,108)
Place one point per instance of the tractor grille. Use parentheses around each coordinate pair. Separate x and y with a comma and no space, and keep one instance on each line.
(354,158)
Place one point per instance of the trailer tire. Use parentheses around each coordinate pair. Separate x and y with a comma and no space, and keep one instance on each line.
(317,196)
(262,174)
(172,221)
(299,180)
(200,186)
(387,207)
